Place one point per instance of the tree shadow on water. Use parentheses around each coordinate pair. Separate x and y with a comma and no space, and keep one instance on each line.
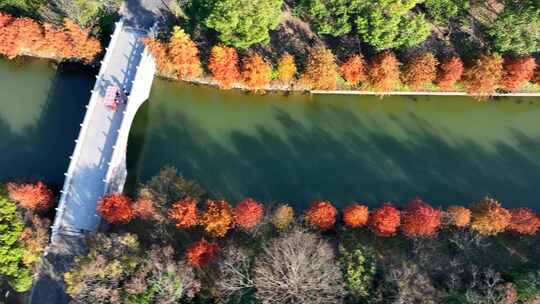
(356,162)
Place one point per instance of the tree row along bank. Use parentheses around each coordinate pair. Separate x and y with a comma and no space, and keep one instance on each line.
(178,58)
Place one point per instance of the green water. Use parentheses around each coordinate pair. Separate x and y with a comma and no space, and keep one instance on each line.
(286,149)
(342,148)
(41,108)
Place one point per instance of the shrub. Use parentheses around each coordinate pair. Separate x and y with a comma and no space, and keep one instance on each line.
(420,71)
(489,218)
(223,65)
(12,268)
(383,72)
(116,208)
(145,210)
(353,70)
(420,219)
(256,72)
(450,72)
(442,11)
(359,268)
(283,216)
(244,23)
(87,13)
(34,239)
(217,217)
(322,215)
(484,76)
(286,68)
(355,215)
(524,221)
(184,55)
(312,274)
(384,221)
(201,253)
(184,213)
(527,285)
(248,213)
(517,72)
(458,216)
(32,197)
(321,70)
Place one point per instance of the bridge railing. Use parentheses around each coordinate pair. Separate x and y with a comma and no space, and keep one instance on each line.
(140,91)
(65,192)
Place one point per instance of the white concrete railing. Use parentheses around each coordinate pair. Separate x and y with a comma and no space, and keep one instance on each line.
(141,86)
(84,126)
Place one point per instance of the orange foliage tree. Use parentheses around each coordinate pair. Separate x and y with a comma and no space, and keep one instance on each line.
(184,55)
(420,219)
(86,47)
(420,71)
(184,213)
(383,72)
(223,64)
(286,68)
(484,76)
(217,218)
(33,197)
(321,215)
(59,42)
(384,221)
(355,215)
(458,216)
(450,72)
(321,70)
(256,72)
(146,210)
(489,218)
(517,72)
(524,221)
(201,253)
(116,208)
(159,50)
(283,216)
(248,213)
(353,70)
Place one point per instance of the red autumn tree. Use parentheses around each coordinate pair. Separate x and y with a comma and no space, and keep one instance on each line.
(286,68)
(449,73)
(384,221)
(321,70)
(145,209)
(489,218)
(87,47)
(223,65)
(116,208)
(184,213)
(355,215)
(30,36)
(517,72)
(383,72)
(217,218)
(420,219)
(420,71)
(256,72)
(33,197)
(248,213)
(353,70)
(5,19)
(484,76)
(524,221)
(59,42)
(184,55)
(458,216)
(201,253)
(321,215)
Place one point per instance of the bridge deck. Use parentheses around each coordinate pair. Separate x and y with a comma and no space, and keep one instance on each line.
(85,183)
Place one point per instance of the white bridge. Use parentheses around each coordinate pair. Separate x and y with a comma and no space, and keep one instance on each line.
(98,164)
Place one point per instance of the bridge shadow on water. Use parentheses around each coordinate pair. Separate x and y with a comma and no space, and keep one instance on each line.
(42,149)
(358,163)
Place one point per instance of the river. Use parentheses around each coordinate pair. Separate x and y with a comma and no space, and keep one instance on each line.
(276,148)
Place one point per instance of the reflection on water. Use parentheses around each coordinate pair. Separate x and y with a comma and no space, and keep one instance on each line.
(40,112)
(343,148)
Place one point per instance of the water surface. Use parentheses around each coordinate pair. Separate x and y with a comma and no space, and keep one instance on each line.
(447,150)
